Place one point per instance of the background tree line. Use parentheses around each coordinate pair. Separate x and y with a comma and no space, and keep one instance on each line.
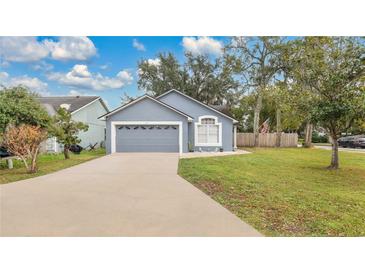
(299,84)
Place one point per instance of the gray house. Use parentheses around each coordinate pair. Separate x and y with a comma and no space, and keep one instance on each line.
(171,122)
(84,109)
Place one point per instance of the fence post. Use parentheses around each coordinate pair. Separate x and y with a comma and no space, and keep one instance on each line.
(10,163)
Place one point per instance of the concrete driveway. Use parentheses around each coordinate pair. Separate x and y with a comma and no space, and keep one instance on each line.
(117,195)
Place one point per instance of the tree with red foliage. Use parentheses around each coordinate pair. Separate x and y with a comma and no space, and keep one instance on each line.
(24,141)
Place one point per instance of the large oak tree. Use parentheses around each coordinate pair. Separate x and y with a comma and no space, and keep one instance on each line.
(207,79)
(333,69)
(257,62)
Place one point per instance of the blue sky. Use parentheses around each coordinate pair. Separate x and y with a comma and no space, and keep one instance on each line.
(104,66)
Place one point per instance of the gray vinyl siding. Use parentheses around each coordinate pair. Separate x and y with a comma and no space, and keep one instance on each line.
(96,132)
(195,110)
(147,110)
(89,115)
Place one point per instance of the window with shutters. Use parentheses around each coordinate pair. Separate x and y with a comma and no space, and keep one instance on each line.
(208,132)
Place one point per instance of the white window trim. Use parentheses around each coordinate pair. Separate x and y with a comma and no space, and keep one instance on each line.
(197,144)
(208,117)
(114,125)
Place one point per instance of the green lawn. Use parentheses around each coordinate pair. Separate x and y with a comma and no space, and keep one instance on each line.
(47,163)
(286,192)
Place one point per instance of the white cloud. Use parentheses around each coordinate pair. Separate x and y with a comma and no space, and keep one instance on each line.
(104,67)
(4,64)
(71,48)
(202,45)
(73,92)
(42,66)
(33,83)
(3,75)
(22,49)
(80,71)
(81,77)
(155,62)
(29,49)
(138,45)
(125,76)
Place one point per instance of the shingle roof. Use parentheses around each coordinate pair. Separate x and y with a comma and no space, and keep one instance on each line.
(139,99)
(53,103)
(193,99)
(222,108)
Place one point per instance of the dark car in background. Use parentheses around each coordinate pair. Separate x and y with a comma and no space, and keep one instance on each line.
(345,141)
(355,141)
(359,141)
(4,153)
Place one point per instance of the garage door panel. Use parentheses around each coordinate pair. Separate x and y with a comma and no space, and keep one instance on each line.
(147,139)
(148,148)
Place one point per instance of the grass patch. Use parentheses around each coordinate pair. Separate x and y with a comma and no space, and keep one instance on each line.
(286,192)
(47,163)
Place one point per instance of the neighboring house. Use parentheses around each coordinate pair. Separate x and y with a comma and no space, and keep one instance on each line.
(172,122)
(84,109)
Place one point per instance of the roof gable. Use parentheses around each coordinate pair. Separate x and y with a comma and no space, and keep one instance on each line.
(76,103)
(196,101)
(140,99)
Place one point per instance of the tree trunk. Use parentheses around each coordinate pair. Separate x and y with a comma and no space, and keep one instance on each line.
(308,135)
(66,152)
(33,166)
(256,119)
(334,159)
(278,127)
(25,162)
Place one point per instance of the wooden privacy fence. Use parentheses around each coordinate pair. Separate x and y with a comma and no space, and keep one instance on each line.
(267,139)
